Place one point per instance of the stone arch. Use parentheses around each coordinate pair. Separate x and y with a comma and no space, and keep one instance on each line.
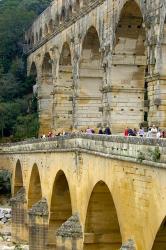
(50,26)
(63,107)
(129,57)
(90,82)
(101,229)
(18,178)
(160,239)
(61,207)
(34,190)
(45,30)
(47,65)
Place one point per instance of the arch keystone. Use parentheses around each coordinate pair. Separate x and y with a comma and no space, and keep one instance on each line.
(70,234)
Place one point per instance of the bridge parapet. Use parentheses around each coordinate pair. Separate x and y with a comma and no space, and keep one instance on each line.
(143,150)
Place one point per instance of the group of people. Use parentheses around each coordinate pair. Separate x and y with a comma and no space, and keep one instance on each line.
(153,132)
(102,131)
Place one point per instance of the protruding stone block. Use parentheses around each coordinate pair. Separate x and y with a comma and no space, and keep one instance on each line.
(19,217)
(38,226)
(70,235)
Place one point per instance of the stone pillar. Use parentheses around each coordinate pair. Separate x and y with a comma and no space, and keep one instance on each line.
(38,226)
(106,88)
(69,236)
(45,104)
(129,245)
(19,217)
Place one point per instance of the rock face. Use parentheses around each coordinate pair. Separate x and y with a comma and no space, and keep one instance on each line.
(5,215)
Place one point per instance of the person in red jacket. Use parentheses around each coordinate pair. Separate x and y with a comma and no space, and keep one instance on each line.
(126,131)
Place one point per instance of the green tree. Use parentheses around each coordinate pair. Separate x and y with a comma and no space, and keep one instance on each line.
(18,106)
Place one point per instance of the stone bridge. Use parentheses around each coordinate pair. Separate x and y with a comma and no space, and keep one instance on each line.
(98,62)
(88,192)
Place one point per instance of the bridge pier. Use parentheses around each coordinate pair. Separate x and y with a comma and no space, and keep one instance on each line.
(70,236)
(19,217)
(38,226)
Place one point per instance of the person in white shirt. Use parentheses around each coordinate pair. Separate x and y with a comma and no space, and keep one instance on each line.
(154,132)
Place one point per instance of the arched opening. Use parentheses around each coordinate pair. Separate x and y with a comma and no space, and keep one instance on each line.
(102,230)
(34,192)
(50,26)
(160,240)
(45,30)
(61,208)
(18,178)
(32,40)
(77,6)
(70,10)
(63,109)
(40,34)
(33,70)
(57,17)
(128,70)
(91,73)
(37,37)
(63,14)
(47,66)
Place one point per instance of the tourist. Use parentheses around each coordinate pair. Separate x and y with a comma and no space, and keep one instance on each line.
(158,134)
(89,131)
(163,134)
(154,132)
(141,132)
(148,135)
(49,134)
(126,131)
(100,132)
(130,132)
(134,132)
(107,131)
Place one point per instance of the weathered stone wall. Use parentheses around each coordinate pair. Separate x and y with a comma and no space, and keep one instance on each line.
(113,52)
(117,194)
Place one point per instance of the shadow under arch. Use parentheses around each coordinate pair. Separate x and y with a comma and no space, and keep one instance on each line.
(34,191)
(160,239)
(18,178)
(61,207)
(33,70)
(63,108)
(47,65)
(90,82)
(130,59)
(102,229)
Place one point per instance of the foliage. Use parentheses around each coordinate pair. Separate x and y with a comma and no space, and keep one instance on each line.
(5,181)
(140,157)
(154,154)
(18,106)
